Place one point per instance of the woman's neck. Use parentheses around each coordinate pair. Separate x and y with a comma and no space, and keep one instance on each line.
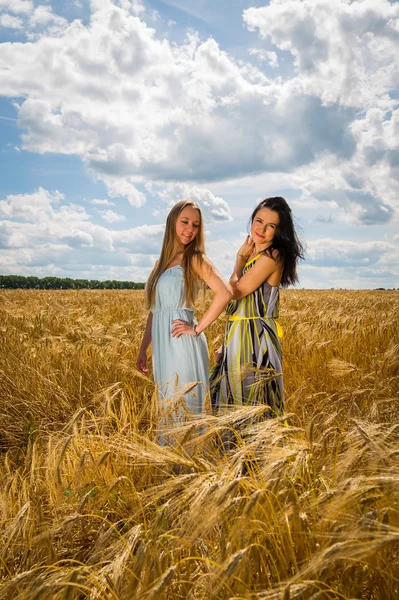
(260,248)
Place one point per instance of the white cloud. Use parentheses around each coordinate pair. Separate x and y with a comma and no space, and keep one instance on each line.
(366,187)
(41,233)
(103,202)
(182,119)
(340,253)
(145,239)
(136,7)
(124,188)
(17,6)
(43,15)
(335,263)
(111,217)
(223,251)
(137,108)
(30,207)
(212,207)
(11,22)
(265,55)
(343,50)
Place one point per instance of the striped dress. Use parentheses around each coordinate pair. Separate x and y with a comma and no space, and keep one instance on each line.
(251,365)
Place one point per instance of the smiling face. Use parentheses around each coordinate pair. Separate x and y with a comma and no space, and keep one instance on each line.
(187,225)
(264,227)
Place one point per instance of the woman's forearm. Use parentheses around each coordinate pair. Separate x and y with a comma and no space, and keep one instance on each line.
(216,307)
(146,341)
(238,269)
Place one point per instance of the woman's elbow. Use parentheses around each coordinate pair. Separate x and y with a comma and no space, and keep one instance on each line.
(226,294)
(237,294)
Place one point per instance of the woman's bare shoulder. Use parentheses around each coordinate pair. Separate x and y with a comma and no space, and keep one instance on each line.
(266,256)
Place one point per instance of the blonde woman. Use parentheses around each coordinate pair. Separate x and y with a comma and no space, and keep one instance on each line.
(179,347)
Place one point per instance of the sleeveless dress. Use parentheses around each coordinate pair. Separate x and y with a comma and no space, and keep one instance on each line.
(177,362)
(251,366)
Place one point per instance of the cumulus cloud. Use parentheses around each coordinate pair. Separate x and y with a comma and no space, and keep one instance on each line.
(111,217)
(138,108)
(341,253)
(103,202)
(11,21)
(177,118)
(359,68)
(212,207)
(42,233)
(145,239)
(334,263)
(42,230)
(30,207)
(265,55)
(178,113)
(123,187)
(17,6)
(43,15)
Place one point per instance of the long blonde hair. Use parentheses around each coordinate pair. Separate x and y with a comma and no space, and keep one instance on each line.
(195,250)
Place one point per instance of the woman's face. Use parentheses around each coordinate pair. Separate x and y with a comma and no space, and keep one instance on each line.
(187,225)
(264,226)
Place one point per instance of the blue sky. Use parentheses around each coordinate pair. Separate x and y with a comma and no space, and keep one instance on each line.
(112,110)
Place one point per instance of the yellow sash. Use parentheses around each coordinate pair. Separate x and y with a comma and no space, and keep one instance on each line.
(280,331)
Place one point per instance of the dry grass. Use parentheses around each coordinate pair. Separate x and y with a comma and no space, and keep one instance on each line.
(302,507)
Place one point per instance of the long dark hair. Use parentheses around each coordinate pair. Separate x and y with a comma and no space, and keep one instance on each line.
(286,242)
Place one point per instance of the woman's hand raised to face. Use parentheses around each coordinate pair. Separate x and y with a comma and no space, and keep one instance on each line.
(247,248)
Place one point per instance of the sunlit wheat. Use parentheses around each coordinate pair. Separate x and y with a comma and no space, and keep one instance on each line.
(241,506)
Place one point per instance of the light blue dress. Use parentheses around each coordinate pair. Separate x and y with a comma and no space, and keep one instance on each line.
(177,362)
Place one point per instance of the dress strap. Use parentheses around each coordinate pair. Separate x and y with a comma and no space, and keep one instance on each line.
(253,259)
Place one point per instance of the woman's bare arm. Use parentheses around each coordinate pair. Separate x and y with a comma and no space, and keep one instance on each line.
(262,270)
(223,294)
(141,363)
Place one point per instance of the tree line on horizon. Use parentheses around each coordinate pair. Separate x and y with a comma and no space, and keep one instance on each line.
(65,283)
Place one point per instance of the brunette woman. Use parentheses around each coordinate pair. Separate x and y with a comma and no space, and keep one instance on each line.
(249,364)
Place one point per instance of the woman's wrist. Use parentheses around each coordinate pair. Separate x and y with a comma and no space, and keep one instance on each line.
(197,329)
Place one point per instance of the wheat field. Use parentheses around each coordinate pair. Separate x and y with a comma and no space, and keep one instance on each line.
(303,507)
